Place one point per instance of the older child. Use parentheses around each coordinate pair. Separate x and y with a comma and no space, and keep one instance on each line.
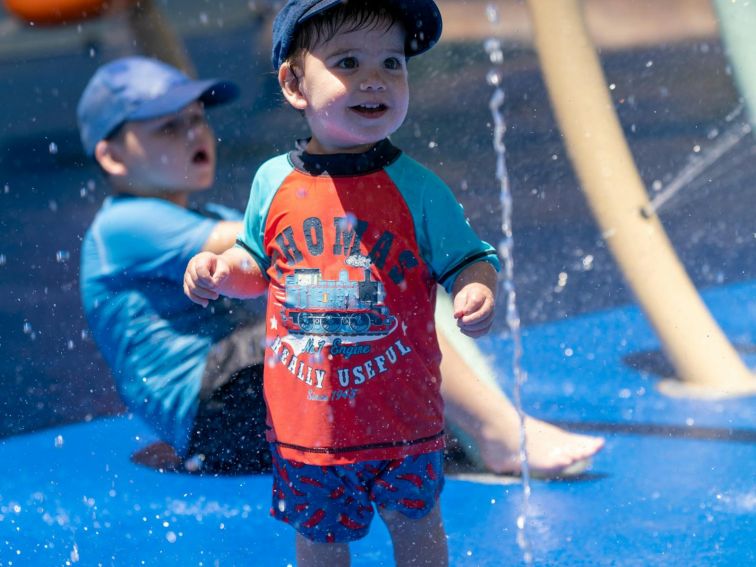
(193,375)
(349,236)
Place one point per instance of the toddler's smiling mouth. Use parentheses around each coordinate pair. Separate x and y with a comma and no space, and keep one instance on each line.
(370,109)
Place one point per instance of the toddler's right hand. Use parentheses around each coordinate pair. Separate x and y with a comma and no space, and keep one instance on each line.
(204,277)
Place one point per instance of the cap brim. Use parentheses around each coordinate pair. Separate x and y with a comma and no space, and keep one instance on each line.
(210,91)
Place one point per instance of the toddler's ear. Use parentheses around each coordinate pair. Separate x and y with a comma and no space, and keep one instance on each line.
(289,81)
(107,156)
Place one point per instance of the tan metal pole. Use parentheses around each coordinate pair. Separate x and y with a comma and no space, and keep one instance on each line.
(156,38)
(703,358)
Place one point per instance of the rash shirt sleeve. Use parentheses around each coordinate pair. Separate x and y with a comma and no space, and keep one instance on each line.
(264,186)
(446,239)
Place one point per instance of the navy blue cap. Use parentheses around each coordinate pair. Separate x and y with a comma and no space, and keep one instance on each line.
(421,18)
(140,88)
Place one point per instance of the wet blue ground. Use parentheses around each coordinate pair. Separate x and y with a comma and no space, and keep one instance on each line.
(673,486)
(675,482)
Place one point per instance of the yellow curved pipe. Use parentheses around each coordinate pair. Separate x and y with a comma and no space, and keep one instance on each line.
(703,358)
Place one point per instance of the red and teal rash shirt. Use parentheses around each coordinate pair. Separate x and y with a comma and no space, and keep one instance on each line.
(353,246)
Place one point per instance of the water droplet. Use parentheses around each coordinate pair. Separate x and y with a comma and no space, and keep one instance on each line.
(53,205)
(194,463)
(53,148)
(28,328)
(171,537)
(612,87)
(62,256)
(588,263)
(649,63)
(492,13)
(70,345)
(494,78)
(492,44)
(203,18)
(3,260)
(92,52)
(432,144)
(58,441)
(6,189)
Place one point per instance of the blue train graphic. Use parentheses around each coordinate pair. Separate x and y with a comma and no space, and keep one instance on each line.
(315,306)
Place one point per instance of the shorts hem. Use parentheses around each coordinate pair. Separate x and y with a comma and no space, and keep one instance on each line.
(354,536)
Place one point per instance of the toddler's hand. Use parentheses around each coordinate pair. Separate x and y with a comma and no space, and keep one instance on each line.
(474,309)
(204,277)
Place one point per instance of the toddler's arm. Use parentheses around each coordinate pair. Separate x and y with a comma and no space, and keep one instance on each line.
(474,298)
(233,274)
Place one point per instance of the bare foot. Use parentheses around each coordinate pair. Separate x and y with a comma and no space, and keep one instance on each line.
(552,451)
(159,455)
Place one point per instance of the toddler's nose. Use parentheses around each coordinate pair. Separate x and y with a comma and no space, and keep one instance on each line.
(373,82)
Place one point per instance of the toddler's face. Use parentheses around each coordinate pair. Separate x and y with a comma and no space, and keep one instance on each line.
(171,153)
(355,89)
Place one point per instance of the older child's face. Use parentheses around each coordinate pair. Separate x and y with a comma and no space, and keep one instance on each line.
(175,152)
(354,89)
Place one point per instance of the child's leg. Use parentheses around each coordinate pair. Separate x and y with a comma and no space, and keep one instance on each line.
(315,554)
(418,542)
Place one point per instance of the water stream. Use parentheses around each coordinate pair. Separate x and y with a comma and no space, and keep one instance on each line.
(506,277)
(722,143)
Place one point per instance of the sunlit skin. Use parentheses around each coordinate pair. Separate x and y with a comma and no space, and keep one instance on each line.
(352,89)
(167,157)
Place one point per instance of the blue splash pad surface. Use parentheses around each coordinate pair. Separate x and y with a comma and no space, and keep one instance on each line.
(653,497)
(647,501)
(577,369)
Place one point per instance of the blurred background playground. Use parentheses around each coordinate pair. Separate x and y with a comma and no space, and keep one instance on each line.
(675,484)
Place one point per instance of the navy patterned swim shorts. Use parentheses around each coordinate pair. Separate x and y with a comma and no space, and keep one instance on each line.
(335,503)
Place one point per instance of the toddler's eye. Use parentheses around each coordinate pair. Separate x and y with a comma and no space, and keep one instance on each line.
(347,63)
(393,63)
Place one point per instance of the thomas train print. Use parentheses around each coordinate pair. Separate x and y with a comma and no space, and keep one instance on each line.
(315,306)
